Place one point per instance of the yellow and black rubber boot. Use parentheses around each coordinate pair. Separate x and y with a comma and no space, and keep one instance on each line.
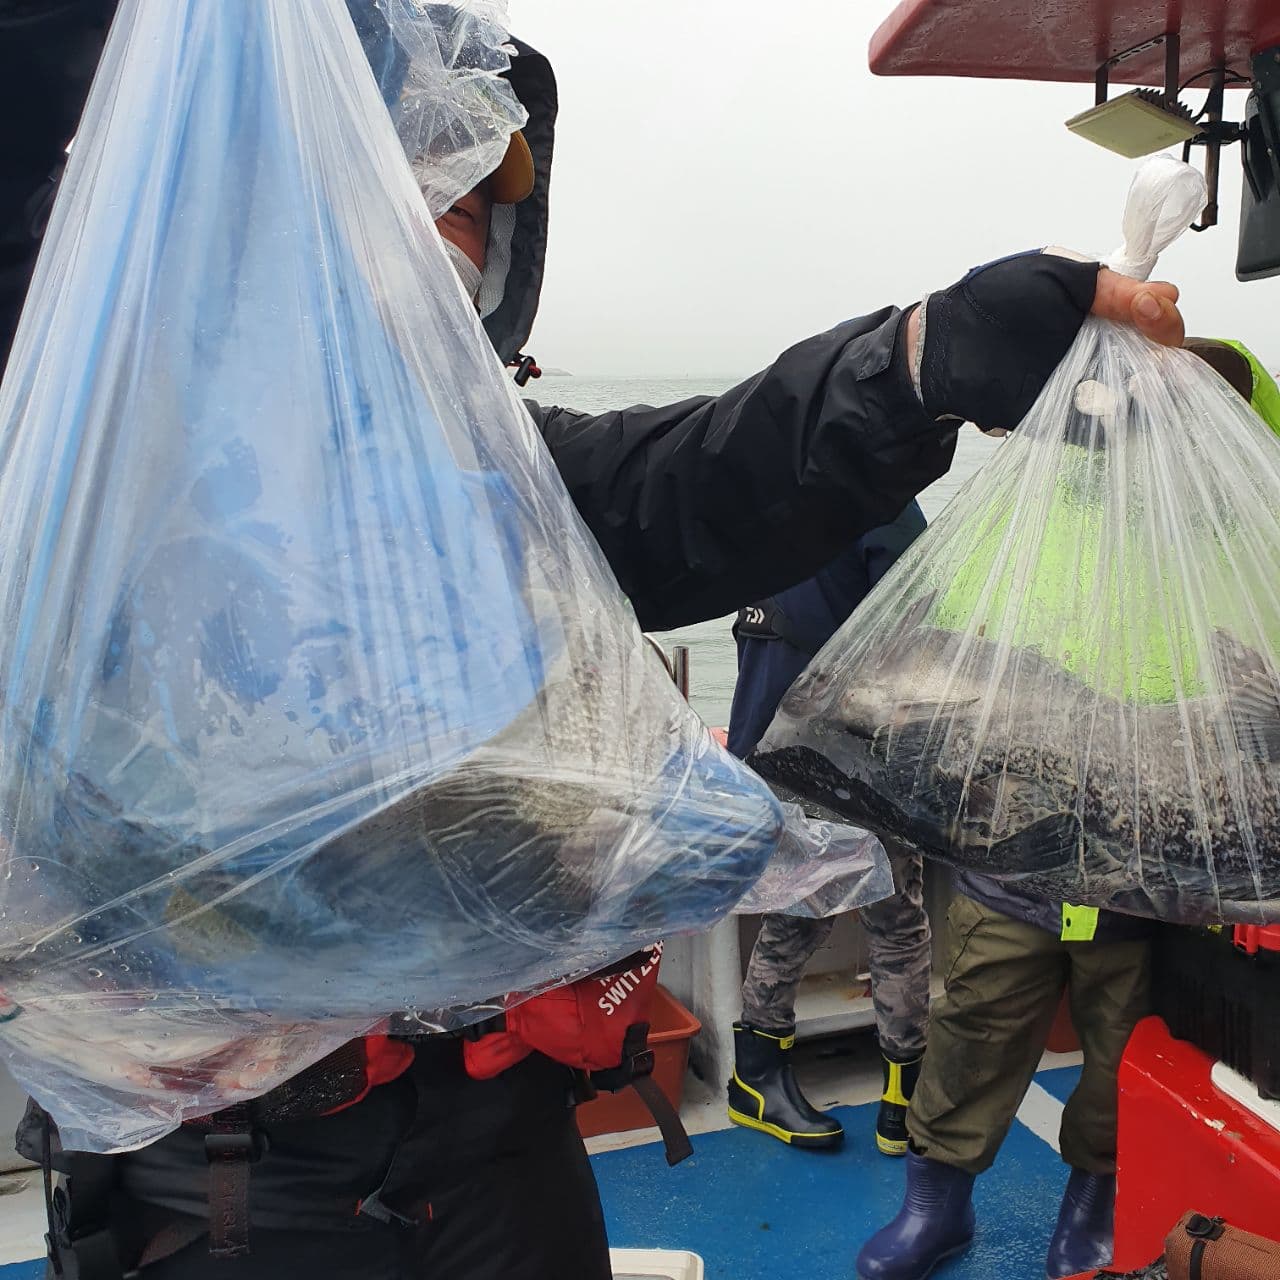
(891,1124)
(764,1095)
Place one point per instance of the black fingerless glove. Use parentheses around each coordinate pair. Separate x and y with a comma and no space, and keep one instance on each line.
(991,342)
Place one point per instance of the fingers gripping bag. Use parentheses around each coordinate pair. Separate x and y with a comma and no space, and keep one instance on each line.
(319,704)
(1072,681)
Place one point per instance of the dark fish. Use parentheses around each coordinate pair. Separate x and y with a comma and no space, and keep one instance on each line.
(995,759)
(561,827)
(506,841)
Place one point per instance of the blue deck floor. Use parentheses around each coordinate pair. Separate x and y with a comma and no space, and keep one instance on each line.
(754,1208)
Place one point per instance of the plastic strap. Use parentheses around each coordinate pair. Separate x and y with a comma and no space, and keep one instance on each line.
(46,1169)
(674,1137)
(637,1060)
(1201,1230)
(636,1069)
(80,1242)
(230,1146)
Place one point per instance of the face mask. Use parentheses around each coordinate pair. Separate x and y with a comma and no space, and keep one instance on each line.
(467,270)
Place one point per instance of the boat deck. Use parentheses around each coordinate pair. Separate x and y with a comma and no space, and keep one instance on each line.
(753,1208)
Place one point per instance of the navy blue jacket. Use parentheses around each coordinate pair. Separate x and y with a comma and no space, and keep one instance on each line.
(778,637)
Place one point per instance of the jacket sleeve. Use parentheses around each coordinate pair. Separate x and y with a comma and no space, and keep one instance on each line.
(709,504)
(884,544)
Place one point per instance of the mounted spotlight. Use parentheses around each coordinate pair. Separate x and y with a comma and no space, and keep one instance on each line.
(1137,124)
(1144,121)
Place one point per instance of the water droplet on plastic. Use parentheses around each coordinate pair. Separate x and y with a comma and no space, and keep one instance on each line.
(35,866)
(95,973)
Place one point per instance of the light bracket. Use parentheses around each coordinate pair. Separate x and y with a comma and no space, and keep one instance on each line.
(1145,121)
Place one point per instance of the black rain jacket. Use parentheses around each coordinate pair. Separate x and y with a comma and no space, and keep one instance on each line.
(712,503)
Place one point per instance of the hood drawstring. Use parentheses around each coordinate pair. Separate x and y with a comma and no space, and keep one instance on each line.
(525,367)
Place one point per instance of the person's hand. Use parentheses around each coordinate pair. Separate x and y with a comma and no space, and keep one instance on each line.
(982,350)
(1152,306)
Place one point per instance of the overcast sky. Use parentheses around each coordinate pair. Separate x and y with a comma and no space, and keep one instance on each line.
(725,184)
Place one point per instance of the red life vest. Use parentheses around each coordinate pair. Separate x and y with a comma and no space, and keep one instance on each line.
(598,1024)
(585,1024)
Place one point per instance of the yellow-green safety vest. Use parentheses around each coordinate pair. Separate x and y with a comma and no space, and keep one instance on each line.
(1066,566)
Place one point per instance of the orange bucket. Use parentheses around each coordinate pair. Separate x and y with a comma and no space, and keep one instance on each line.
(671,1028)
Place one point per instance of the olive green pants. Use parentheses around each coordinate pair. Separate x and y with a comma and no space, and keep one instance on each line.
(1004,983)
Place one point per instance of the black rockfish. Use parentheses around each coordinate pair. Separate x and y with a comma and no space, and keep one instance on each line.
(992,758)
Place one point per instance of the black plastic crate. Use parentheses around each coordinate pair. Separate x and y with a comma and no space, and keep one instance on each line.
(1222,1000)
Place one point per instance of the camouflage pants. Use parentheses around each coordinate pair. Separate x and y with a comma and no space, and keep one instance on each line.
(901,960)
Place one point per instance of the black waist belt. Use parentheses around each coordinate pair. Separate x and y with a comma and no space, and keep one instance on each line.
(84,1238)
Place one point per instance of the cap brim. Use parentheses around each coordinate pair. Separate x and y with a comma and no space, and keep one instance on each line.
(512,180)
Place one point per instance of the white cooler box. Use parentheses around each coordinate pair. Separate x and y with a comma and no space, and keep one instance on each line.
(655,1264)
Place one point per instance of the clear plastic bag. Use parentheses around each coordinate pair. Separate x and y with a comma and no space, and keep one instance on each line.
(319,702)
(439,67)
(821,869)
(1072,681)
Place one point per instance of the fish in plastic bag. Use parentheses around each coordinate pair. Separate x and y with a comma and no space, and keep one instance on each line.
(1073,679)
(319,703)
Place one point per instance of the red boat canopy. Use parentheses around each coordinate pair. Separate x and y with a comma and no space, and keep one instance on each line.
(1070,39)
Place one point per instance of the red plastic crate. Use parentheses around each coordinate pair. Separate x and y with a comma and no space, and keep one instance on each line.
(1185,1145)
(1252,938)
(671,1028)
